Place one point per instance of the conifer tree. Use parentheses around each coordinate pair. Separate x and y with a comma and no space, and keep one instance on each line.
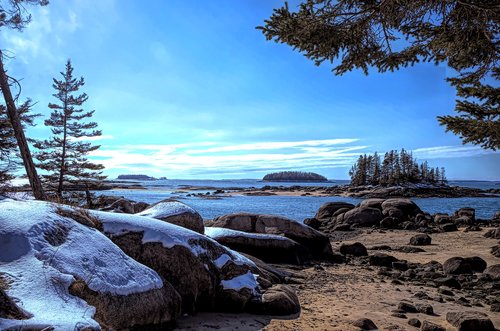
(390,35)
(64,155)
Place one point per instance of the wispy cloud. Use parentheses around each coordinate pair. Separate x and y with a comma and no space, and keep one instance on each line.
(192,159)
(440,152)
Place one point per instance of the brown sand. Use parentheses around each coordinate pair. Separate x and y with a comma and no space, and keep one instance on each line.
(333,298)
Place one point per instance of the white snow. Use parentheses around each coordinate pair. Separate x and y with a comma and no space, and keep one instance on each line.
(214,232)
(237,283)
(41,273)
(166,209)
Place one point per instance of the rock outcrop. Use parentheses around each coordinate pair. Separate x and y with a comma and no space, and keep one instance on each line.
(177,213)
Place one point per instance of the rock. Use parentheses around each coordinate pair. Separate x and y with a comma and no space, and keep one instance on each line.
(449,282)
(317,243)
(407,207)
(457,266)
(424,308)
(277,300)
(415,322)
(355,249)
(372,203)
(493,233)
(493,271)
(122,205)
(389,223)
(177,213)
(420,240)
(466,212)
(448,227)
(495,307)
(470,321)
(400,265)
(140,206)
(365,324)
(342,227)
(477,264)
(429,326)
(313,223)
(495,251)
(382,260)
(363,217)
(442,218)
(269,248)
(9,309)
(327,210)
(410,249)
(407,307)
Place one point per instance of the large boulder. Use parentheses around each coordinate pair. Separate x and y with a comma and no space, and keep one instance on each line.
(67,275)
(382,260)
(407,208)
(362,217)
(355,249)
(470,321)
(277,300)
(421,239)
(177,213)
(326,211)
(207,275)
(493,233)
(269,248)
(459,265)
(317,243)
(372,203)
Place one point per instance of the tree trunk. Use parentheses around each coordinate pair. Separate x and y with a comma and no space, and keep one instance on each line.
(34,180)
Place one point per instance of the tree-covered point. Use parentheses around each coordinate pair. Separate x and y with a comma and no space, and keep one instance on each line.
(395,169)
(294,176)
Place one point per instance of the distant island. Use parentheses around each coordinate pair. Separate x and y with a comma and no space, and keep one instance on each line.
(137,177)
(294,176)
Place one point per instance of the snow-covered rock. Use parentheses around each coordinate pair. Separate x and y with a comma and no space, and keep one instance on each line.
(269,248)
(176,213)
(50,260)
(317,243)
(200,269)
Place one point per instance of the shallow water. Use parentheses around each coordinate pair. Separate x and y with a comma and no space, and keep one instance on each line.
(294,207)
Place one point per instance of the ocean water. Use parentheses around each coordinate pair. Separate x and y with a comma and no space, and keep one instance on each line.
(297,208)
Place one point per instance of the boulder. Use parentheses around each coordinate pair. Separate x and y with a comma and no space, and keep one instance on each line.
(470,321)
(420,240)
(9,309)
(466,213)
(456,266)
(363,217)
(365,324)
(177,213)
(317,243)
(389,223)
(407,207)
(313,223)
(429,326)
(327,210)
(495,251)
(355,249)
(493,271)
(65,261)
(122,205)
(277,300)
(269,248)
(477,264)
(442,218)
(382,260)
(493,233)
(372,203)
(448,227)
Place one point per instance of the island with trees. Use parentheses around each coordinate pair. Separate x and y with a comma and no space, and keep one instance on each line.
(136,177)
(294,176)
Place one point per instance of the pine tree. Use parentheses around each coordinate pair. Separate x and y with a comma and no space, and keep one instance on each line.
(63,156)
(390,35)
(13,15)
(9,154)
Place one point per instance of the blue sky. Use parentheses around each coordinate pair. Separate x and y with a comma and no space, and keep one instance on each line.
(190,89)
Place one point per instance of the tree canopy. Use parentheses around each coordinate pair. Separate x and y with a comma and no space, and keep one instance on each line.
(389,35)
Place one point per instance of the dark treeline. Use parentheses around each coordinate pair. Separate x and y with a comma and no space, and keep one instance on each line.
(295,176)
(395,168)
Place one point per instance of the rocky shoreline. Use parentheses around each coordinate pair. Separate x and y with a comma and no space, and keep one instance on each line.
(380,264)
(410,191)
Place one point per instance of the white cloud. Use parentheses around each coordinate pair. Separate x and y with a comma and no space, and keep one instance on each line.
(459,151)
(192,158)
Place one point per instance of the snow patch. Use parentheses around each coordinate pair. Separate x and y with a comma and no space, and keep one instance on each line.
(237,283)
(166,209)
(43,252)
(214,232)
